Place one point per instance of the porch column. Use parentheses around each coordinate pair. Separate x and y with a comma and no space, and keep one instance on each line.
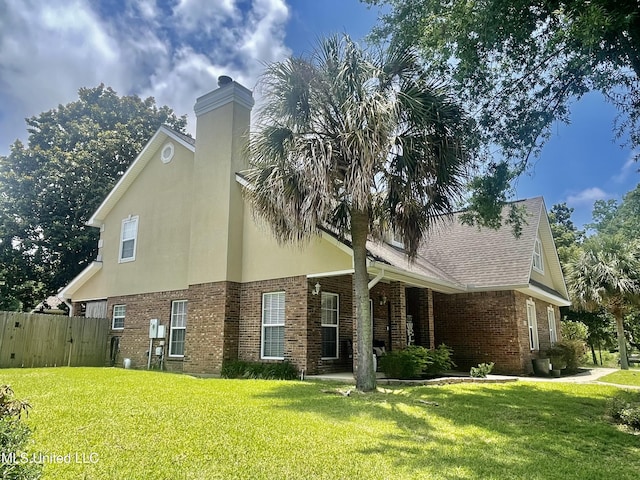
(398,301)
(431,321)
(425,309)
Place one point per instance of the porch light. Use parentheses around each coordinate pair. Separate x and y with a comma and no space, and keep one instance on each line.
(383,300)
(316,289)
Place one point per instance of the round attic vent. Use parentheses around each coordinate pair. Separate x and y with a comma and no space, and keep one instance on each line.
(166,154)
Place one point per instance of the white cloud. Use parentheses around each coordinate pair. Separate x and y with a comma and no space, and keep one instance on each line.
(50,50)
(629,167)
(47,52)
(587,196)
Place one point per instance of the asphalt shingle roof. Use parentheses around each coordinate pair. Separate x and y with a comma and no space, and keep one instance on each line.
(466,255)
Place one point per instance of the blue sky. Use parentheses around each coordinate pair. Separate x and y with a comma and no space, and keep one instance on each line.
(175,50)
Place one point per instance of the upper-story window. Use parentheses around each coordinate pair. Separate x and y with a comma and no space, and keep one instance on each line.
(538,265)
(128,239)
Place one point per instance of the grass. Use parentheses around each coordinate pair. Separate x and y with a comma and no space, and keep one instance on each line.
(150,425)
(623,377)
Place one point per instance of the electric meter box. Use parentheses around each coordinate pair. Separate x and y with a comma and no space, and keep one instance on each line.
(153,328)
(161,331)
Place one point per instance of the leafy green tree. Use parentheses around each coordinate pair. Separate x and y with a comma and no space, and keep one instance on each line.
(603,215)
(606,275)
(523,62)
(358,143)
(50,187)
(566,235)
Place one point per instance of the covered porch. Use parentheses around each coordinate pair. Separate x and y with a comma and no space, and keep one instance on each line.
(402,311)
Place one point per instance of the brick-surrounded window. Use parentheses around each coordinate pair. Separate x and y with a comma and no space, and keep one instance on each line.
(272,326)
(119,312)
(329,321)
(538,264)
(128,239)
(551,316)
(533,325)
(178,328)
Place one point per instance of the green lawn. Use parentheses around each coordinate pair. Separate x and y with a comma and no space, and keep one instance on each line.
(623,377)
(149,425)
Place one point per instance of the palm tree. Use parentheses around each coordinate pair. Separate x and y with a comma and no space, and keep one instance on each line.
(356,142)
(606,274)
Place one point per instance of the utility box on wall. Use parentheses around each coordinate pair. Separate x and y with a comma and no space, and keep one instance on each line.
(153,328)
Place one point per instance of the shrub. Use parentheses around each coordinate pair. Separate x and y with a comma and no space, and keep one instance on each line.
(482,370)
(416,361)
(14,438)
(440,360)
(626,413)
(407,363)
(573,330)
(267,371)
(567,353)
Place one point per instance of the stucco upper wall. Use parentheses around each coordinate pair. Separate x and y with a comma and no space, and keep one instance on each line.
(160,197)
(264,258)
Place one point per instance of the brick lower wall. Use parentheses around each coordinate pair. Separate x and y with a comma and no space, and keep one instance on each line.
(490,327)
(224,322)
(479,327)
(250,323)
(134,339)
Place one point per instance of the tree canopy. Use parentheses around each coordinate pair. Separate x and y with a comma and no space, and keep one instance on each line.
(521,63)
(51,186)
(606,275)
(359,142)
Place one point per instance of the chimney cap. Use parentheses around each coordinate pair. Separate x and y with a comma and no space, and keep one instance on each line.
(224,80)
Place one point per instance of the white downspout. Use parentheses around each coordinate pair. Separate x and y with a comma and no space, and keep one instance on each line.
(375,281)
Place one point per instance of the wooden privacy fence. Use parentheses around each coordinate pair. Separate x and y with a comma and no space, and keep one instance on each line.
(36,340)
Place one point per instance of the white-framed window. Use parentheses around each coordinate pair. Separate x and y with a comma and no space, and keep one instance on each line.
(119,312)
(396,240)
(533,325)
(330,306)
(538,264)
(551,316)
(273,325)
(128,239)
(178,328)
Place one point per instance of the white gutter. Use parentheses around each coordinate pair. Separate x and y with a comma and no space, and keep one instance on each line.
(546,296)
(334,273)
(399,274)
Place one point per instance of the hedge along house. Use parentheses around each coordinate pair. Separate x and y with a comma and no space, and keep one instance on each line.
(178,244)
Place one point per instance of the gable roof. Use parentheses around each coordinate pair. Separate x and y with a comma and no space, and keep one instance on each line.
(163,134)
(484,257)
(456,258)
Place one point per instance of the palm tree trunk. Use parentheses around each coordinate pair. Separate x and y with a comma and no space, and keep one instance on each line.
(365,375)
(622,343)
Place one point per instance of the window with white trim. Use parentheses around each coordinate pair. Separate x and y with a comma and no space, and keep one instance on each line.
(178,329)
(538,264)
(551,316)
(119,312)
(273,325)
(128,239)
(533,325)
(329,321)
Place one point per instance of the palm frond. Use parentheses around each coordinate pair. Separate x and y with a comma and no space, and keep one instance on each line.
(348,129)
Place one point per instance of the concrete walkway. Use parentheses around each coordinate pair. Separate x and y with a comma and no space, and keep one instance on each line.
(589,376)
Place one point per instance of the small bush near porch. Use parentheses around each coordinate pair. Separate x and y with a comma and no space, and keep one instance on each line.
(151,425)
